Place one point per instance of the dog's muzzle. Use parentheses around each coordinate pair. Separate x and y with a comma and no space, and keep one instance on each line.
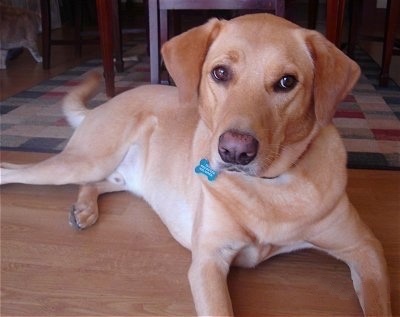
(237,148)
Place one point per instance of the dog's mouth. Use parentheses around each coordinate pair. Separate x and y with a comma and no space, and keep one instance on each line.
(277,166)
(272,163)
(241,152)
(237,169)
(249,170)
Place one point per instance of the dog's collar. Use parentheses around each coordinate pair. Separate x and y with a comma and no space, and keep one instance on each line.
(205,168)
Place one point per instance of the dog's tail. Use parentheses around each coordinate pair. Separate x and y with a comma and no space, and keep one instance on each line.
(74,103)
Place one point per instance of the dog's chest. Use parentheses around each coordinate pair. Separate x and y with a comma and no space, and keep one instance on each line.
(253,254)
(266,217)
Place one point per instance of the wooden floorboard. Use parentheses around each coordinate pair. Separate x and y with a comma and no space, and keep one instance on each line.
(129,265)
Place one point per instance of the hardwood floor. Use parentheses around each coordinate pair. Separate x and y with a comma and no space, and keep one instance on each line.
(129,265)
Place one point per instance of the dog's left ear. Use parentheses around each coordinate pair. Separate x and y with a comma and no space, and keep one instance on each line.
(335,74)
(184,56)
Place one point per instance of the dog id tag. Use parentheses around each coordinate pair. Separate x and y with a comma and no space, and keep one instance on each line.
(205,168)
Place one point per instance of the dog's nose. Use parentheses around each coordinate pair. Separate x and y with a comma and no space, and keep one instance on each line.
(236,147)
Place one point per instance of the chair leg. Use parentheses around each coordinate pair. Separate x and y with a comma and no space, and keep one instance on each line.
(104,13)
(119,63)
(334,20)
(154,41)
(280,8)
(392,20)
(46,32)
(355,15)
(78,27)
(312,14)
(146,14)
(164,35)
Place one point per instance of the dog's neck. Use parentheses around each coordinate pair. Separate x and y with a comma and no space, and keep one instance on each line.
(291,155)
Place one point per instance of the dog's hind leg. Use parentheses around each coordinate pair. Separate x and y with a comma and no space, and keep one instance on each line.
(6,165)
(85,212)
(64,168)
(87,158)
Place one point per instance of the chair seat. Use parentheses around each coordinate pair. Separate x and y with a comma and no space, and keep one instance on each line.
(158,20)
(269,5)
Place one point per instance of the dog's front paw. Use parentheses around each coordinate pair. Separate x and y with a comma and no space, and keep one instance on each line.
(83,215)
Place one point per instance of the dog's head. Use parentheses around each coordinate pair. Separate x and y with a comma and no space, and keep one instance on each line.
(264,86)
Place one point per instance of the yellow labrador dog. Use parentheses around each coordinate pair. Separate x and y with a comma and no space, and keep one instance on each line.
(240,161)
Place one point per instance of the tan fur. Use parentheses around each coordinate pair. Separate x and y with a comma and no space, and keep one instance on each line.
(18,28)
(291,196)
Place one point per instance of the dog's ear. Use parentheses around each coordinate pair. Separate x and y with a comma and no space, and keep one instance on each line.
(335,74)
(184,56)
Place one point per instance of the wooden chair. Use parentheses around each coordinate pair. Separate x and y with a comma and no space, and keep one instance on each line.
(158,20)
(110,40)
(392,21)
(105,9)
(78,38)
(115,56)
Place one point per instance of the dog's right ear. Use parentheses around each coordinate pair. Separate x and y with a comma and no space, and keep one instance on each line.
(184,56)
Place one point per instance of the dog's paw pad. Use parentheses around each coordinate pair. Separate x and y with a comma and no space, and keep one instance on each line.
(83,216)
(205,168)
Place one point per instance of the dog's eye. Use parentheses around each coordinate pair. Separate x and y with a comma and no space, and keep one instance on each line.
(221,73)
(286,83)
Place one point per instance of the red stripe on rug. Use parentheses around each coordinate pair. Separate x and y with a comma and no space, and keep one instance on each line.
(349,114)
(142,69)
(72,83)
(61,122)
(349,98)
(387,134)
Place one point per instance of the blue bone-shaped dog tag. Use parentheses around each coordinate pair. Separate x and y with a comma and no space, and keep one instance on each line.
(205,168)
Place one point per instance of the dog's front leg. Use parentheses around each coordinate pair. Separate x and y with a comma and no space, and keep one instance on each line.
(346,237)
(369,274)
(207,277)
(213,250)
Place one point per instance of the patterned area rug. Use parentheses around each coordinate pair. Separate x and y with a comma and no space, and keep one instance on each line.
(368,119)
